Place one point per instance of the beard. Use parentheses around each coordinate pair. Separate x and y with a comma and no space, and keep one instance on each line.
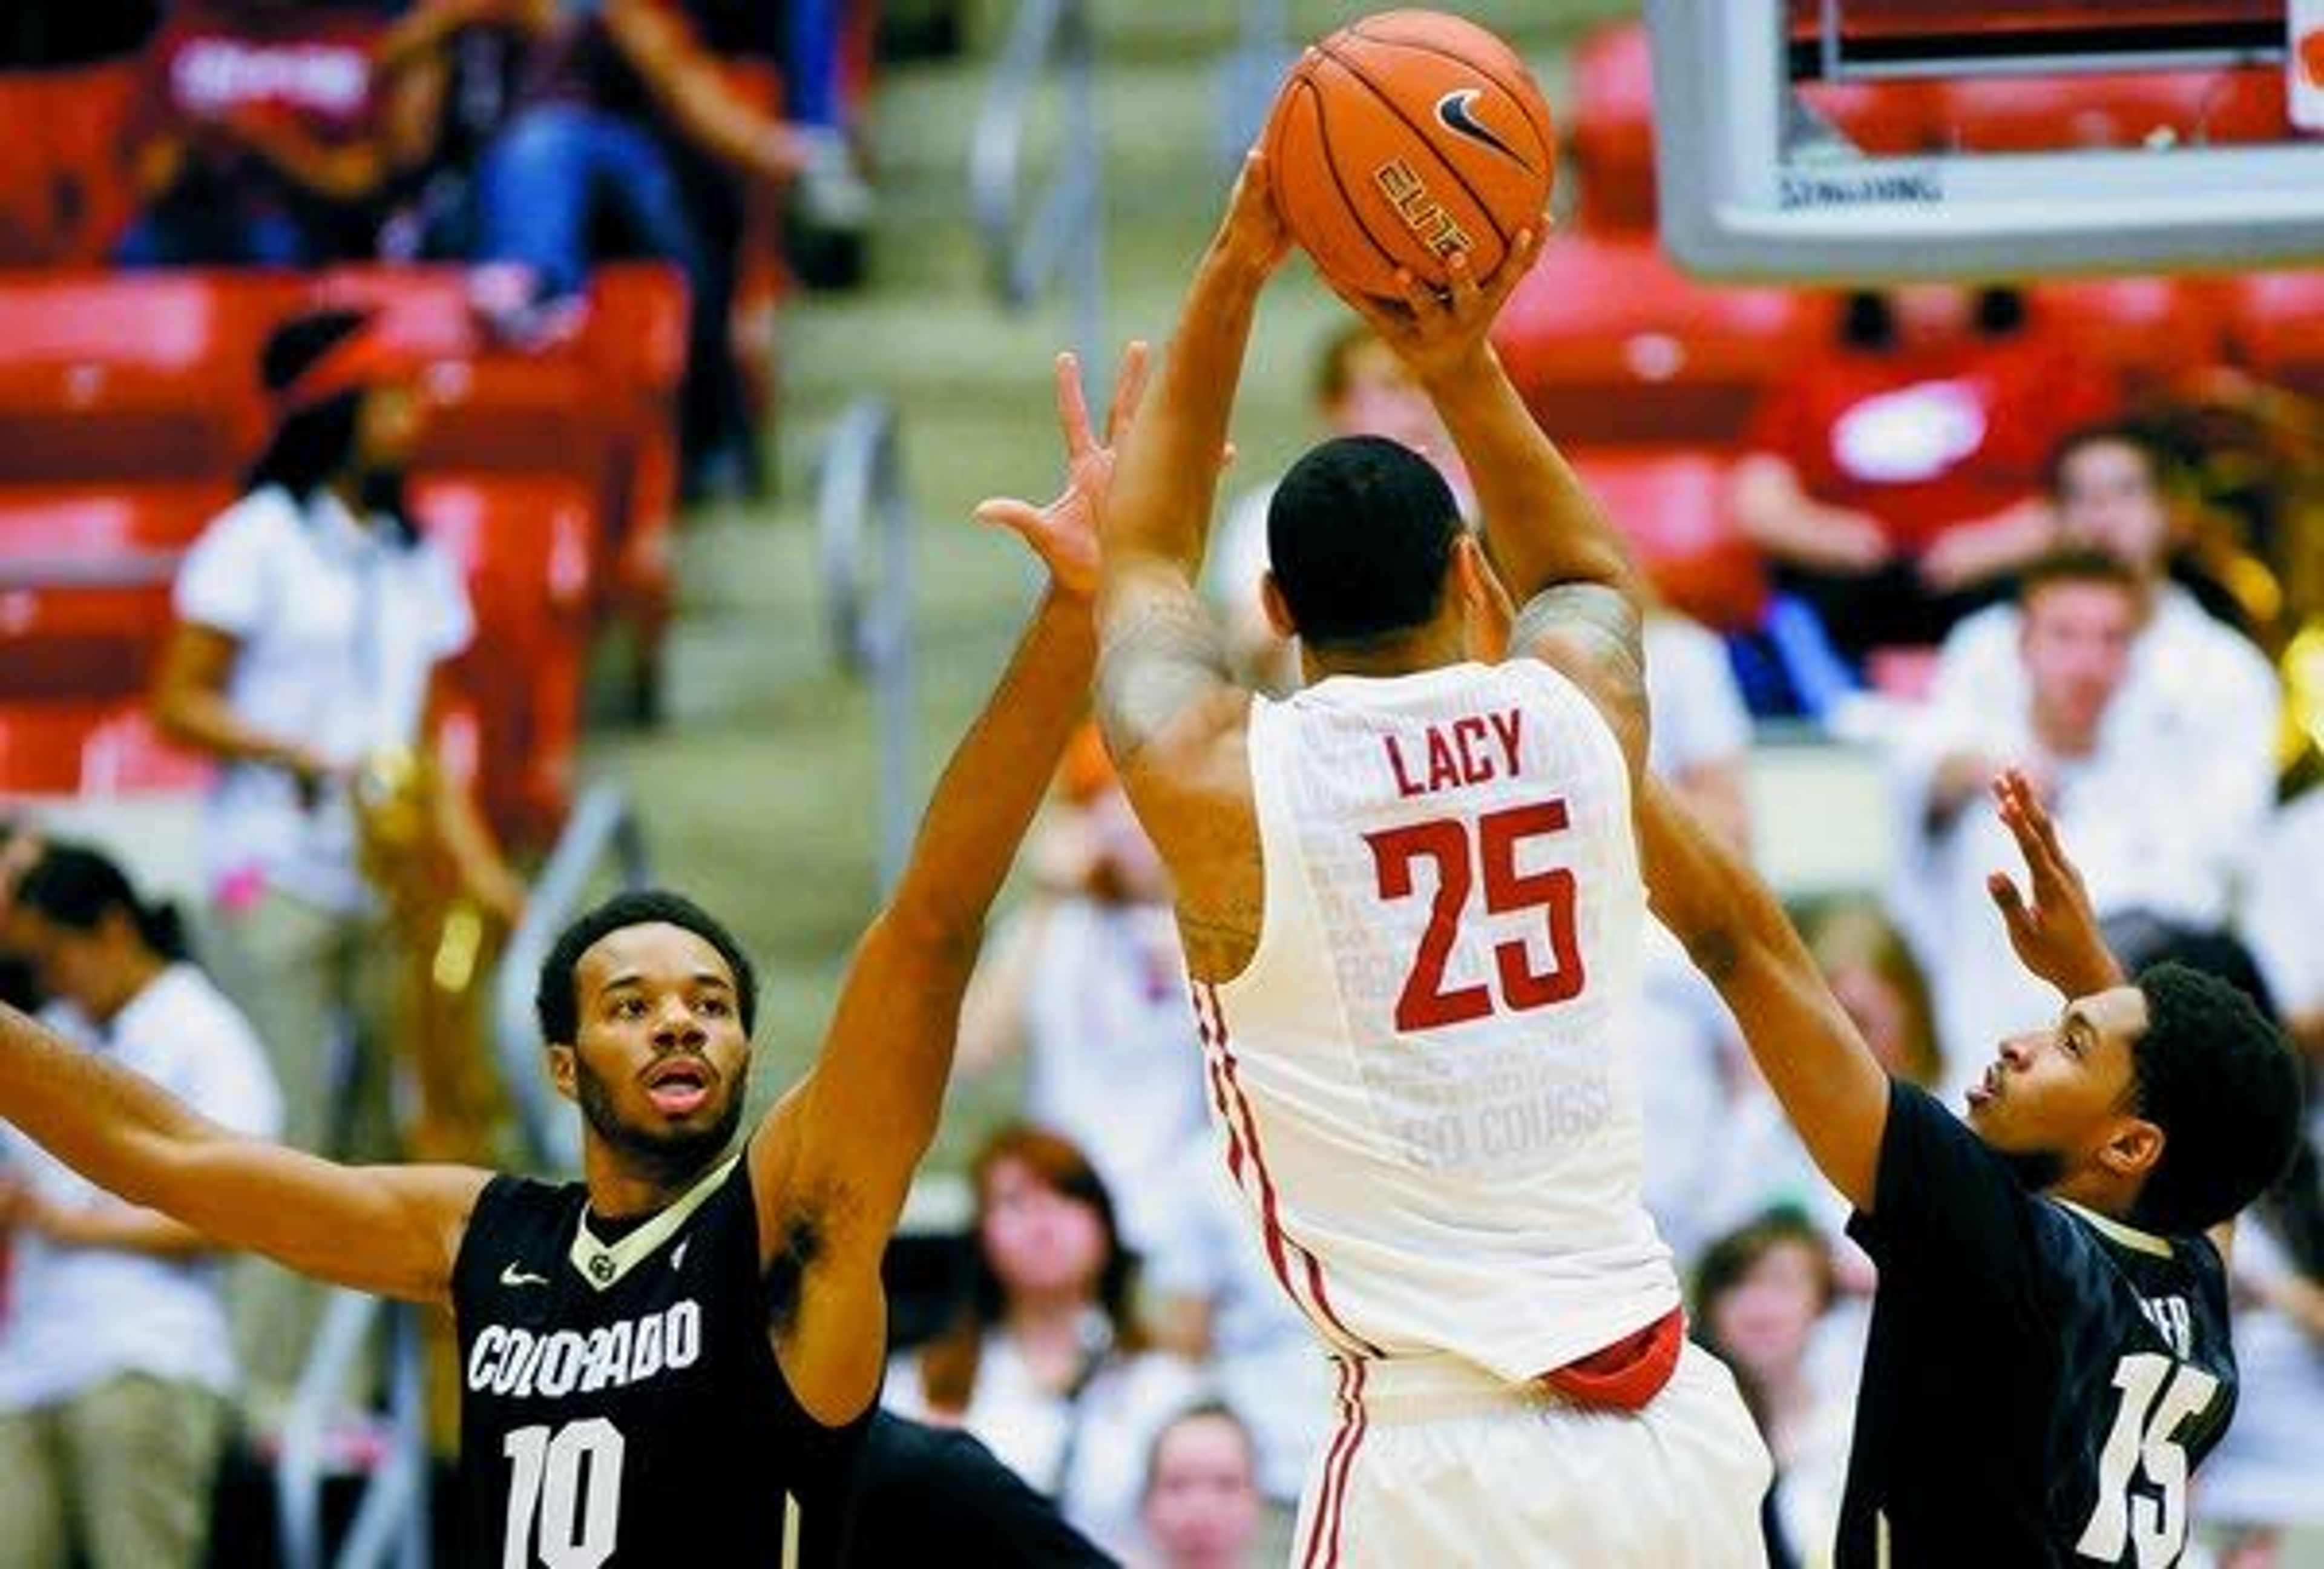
(666,1156)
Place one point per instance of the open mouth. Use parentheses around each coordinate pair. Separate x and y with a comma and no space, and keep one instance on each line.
(679,1087)
(1986,1089)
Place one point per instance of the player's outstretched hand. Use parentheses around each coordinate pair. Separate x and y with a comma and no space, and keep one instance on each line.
(1437,331)
(1064,533)
(2055,931)
(1253,233)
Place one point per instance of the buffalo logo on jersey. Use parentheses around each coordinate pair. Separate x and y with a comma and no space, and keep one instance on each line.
(523,1364)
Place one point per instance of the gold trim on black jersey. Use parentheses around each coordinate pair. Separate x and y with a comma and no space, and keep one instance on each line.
(603,1265)
(2115,1232)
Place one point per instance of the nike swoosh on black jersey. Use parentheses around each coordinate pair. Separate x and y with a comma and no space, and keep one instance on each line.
(1457,111)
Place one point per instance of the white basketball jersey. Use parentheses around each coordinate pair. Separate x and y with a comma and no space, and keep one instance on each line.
(1427,1079)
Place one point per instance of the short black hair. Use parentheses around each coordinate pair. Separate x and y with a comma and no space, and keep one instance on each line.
(1358,535)
(76,886)
(556,996)
(2217,1078)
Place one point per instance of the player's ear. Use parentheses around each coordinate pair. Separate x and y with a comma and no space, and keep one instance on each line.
(2133,1149)
(1484,602)
(1278,609)
(562,1064)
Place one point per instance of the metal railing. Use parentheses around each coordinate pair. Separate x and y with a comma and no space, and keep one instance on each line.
(868,589)
(391,1521)
(601,824)
(1065,231)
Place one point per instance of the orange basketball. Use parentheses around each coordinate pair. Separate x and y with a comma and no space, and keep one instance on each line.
(1404,139)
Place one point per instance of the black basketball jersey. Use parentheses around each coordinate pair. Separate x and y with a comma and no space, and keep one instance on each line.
(621,1405)
(2040,1381)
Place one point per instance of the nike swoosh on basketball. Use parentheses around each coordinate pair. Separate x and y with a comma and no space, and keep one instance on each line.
(512,1276)
(1457,112)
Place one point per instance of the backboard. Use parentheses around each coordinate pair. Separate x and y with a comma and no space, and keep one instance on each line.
(1864,140)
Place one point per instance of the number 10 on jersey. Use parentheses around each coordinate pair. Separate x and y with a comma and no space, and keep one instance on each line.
(1464,855)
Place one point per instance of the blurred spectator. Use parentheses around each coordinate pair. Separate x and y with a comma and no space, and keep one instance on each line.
(1751,1161)
(582,152)
(20,845)
(115,1368)
(1216,1301)
(1361,389)
(313,626)
(268,136)
(2283,914)
(2196,690)
(1701,739)
(36,37)
(2126,806)
(1894,483)
(1761,1294)
(1048,1364)
(1087,981)
(1203,1509)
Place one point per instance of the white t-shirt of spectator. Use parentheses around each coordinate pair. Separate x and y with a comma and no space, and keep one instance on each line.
(1112,1061)
(77,1317)
(339,629)
(1089,1454)
(2282,916)
(1690,1042)
(1266,1361)
(1699,714)
(2199,700)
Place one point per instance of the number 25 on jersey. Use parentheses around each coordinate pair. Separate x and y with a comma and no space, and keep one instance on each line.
(1465,855)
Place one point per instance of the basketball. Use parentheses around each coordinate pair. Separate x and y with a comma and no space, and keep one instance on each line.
(1406,139)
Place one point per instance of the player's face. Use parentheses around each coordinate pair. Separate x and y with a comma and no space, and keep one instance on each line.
(1201,1501)
(2059,1095)
(2108,501)
(1040,1242)
(661,1064)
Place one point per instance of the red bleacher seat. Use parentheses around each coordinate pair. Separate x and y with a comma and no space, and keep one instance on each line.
(1609,140)
(1611,344)
(2273,323)
(2149,331)
(2034,114)
(85,582)
(90,748)
(131,375)
(527,544)
(1671,506)
(67,192)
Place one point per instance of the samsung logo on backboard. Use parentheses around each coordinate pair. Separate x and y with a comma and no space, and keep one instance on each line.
(1853,188)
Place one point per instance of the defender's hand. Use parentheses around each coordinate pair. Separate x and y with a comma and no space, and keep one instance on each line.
(1064,533)
(2056,932)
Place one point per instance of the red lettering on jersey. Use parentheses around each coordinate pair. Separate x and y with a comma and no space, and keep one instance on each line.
(1404,785)
(1443,767)
(1507,728)
(1474,749)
